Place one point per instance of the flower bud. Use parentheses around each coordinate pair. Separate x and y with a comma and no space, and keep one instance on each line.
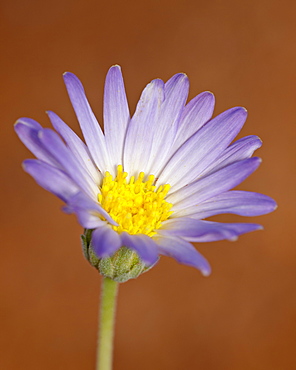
(123,265)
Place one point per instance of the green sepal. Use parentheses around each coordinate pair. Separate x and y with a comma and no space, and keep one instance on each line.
(123,265)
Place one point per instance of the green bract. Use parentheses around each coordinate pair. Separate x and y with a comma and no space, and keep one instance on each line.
(124,265)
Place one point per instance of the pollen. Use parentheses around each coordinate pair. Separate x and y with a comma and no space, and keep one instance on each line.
(137,205)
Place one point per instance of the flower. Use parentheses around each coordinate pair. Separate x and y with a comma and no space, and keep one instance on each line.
(149,181)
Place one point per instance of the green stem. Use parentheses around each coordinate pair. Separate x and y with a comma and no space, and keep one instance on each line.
(106,324)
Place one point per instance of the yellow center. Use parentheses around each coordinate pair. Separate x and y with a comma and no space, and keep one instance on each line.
(137,206)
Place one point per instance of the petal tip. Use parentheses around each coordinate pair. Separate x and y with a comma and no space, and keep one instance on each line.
(16,125)
(179,78)
(237,111)
(112,222)
(50,114)
(115,66)
(206,272)
(241,110)
(183,77)
(24,121)
(255,160)
(209,94)
(26,165)
(69,76)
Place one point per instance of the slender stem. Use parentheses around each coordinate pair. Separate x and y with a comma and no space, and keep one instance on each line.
(106,324)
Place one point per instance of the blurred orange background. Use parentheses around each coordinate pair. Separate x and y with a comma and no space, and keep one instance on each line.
(242,316)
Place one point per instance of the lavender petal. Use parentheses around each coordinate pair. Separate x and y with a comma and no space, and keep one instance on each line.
(143,245)
(242,203)
(76,145)
(116,115)
(90,127)
(202,148)
(195,114)
(55,146)
(183,252)
(239,150)
(89,212)
(212,185)
(205,231)
(51,178)
(140,132)
(105,241)
(27,130)
(164,133)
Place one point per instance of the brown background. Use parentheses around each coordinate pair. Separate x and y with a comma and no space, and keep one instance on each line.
(243,315)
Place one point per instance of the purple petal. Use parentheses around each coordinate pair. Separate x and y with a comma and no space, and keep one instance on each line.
(29,122)
(140,132)
(90,127)
(55,146)
(176,92)
(239,150)
(51,179)
(76,145)
(202,148)
(204,231)
(195,114)
(88,211)
(143,245)
(27,130)
(116,115)
(242,203)
(164,132)
(212,185)
(183,252)
(105,241)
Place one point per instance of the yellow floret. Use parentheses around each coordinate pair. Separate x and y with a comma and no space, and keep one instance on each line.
(137,205)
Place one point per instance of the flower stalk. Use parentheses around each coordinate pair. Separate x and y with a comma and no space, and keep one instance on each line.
(106,324)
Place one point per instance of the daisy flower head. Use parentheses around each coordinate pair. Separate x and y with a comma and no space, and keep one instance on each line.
(144,186)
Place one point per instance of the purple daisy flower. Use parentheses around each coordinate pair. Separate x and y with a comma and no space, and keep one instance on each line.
(149,181)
